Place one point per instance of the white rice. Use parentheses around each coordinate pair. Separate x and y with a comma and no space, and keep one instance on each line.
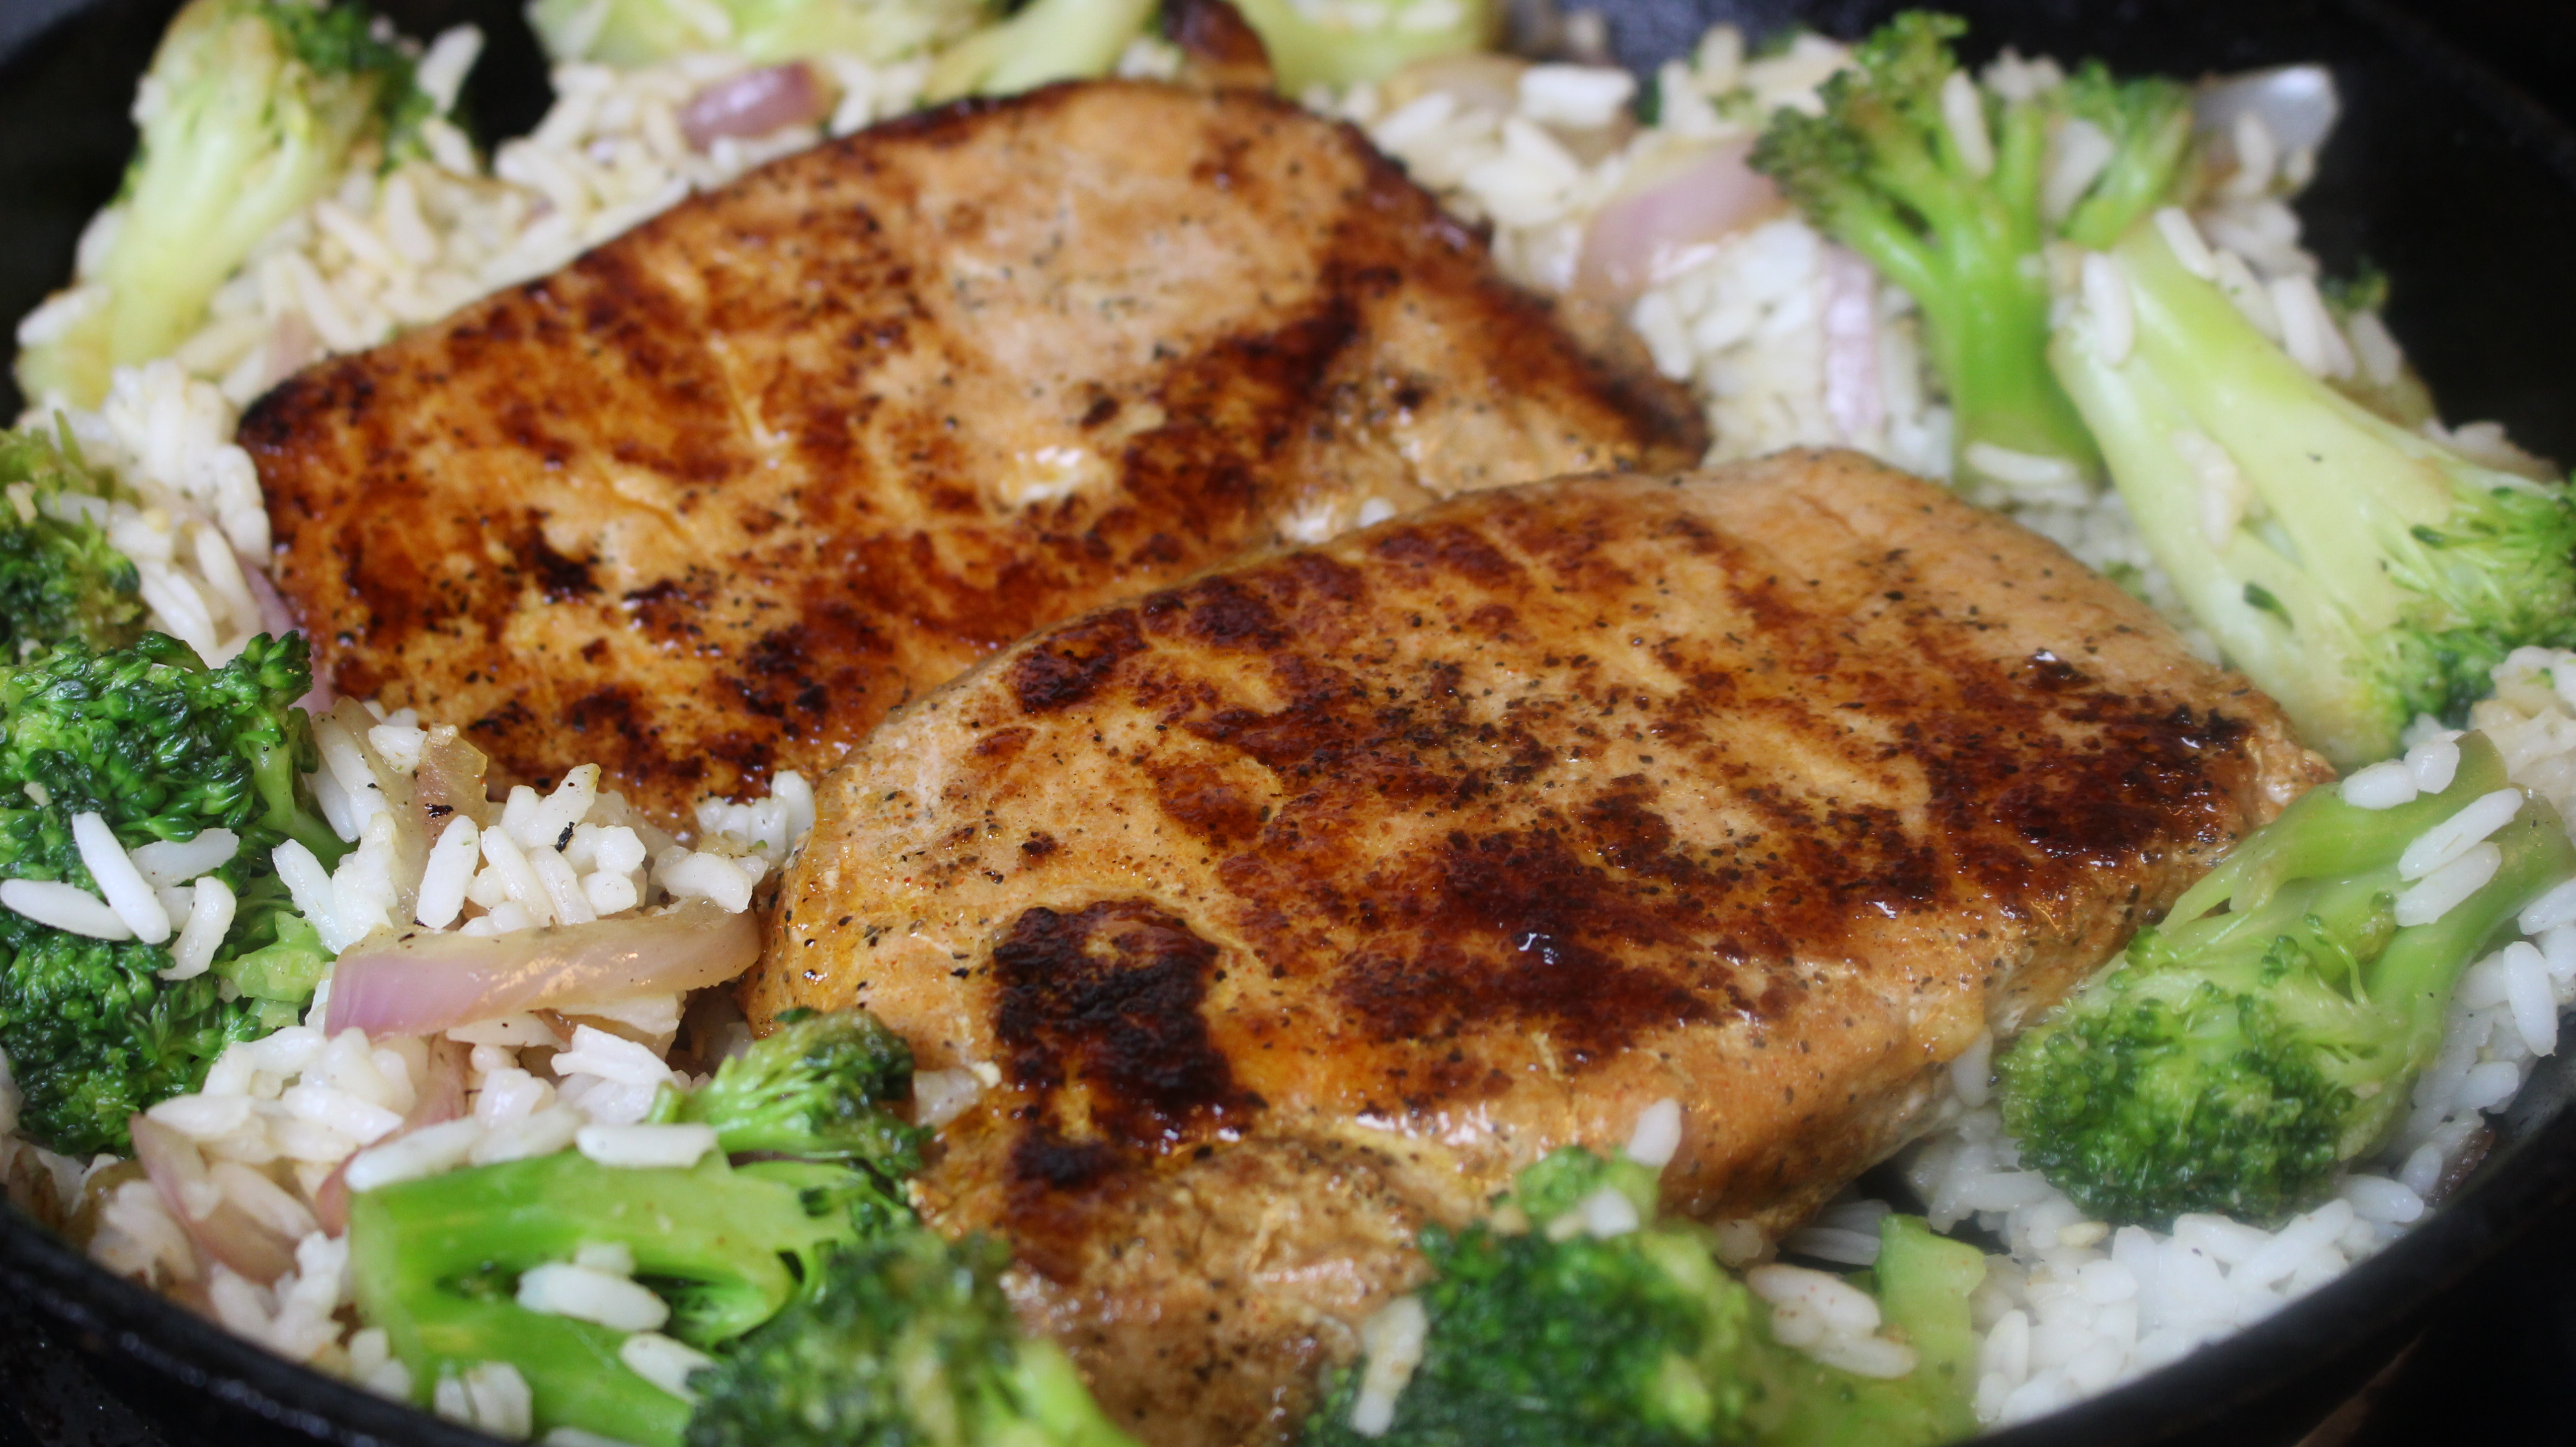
(590,1294)
(490,1396)
(645,1145)
(1830,1319)
(211,906)
(65,907)
(663,1362)
(1657,1135)
(1391,1345)
(133,900)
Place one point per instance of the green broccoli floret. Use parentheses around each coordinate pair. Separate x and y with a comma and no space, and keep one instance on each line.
(437,1262)
(1343,48)
(2358,571)
(2273,1027)
(160,744)
(812,1089)
(1963,227)
(93,1035)
(1047,40)
(907,1339)
(248,113)
(162,747)
(639,32)
(60,578)
(1541,1332)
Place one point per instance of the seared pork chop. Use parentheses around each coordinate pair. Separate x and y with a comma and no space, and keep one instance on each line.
(1302,903)
(707,503)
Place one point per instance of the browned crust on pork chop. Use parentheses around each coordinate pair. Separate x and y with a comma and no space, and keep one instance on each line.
(709,501)
(1301,903)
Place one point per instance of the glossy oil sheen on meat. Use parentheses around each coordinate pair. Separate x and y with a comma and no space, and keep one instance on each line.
(707,503)
(1300,904)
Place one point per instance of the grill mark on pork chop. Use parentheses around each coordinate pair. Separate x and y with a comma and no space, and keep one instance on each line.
(830,435)
(560,579)
(1074,662)
(1099,1010)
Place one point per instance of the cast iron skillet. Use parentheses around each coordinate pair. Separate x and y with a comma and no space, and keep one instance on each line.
(2462,190)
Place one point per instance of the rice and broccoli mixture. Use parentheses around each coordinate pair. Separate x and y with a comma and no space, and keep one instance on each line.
(306,1029)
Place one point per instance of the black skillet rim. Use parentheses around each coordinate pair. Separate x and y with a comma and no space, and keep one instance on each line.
(2362,1315)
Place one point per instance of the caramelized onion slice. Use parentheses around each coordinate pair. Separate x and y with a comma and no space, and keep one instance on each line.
(1639,239)
(227,1233)
(424,983)
(754,103)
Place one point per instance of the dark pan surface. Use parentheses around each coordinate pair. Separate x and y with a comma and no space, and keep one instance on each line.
(2457,184)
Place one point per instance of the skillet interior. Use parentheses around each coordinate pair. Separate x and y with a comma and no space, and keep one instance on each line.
(2461,189)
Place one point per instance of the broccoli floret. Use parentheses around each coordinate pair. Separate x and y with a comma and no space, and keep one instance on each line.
(2273,1027)
(1048,40)
(639,32)
(248,113)
(60,578)
(162,747)
(906,1340)
(93,1035)
(814,1089)
(1963,227)
(1540,1331)
(437,1262)
(1313,48)
(2358,571)
(160,744)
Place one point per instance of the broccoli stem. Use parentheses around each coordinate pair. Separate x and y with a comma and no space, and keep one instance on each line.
(435,1262)
(1050,40)
(2320,835)
(1941,184)
(2420,970)
(1042,1385)
(279,780)
(2140,178)
(2359,572)
(572,1368)
(1974,270)
(1306,51)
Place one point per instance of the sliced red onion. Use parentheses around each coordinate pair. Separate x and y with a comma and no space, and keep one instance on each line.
(754,103)
(1854,398)
(1647,235)
(439,1098)
(424,983)
(227,1233)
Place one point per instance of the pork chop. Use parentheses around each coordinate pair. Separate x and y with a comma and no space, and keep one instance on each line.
(1301,904)
(708,502)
